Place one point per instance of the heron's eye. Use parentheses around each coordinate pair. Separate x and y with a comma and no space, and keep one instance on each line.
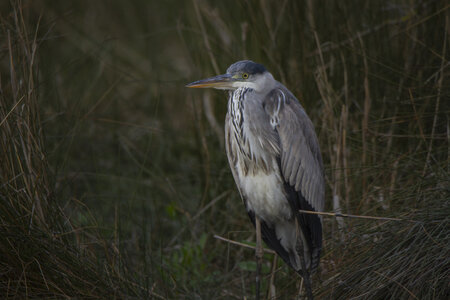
(244,75)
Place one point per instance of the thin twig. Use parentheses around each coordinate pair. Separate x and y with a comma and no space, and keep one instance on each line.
(436,110)
(208,105)
(42,274)
(365,120)
(241,244)
(206,207)
(12,109)
(103,97)
(330,214)
(328,46)
(148,128)
(200,212)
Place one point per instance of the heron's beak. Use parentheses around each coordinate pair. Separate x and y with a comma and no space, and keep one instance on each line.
(223,82)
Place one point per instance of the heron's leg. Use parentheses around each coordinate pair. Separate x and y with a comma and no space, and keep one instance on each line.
(272,292)
(300,289)
(259,255)
(305,273)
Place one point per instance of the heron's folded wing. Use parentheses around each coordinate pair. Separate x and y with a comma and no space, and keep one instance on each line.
(300,159)
(300,164)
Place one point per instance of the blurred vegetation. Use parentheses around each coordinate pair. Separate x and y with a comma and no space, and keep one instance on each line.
(113,176)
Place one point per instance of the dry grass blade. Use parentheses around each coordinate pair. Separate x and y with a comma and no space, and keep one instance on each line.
(340,215)
(12,109)
(242,244)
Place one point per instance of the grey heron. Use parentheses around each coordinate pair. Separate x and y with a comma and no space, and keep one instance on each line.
(275,160)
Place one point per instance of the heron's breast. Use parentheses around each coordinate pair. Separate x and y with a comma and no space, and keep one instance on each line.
(264,193)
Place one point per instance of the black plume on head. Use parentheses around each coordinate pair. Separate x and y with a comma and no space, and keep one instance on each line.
(246,66)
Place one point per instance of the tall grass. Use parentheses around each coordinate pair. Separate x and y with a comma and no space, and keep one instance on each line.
(40,255)
(113,175)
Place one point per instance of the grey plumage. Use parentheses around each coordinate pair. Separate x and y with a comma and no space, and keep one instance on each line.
(275,160)
(247,65)
(290,149)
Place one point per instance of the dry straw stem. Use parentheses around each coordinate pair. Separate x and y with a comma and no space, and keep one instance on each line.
(11,110)
(207,102)
(197,215)
(242,244)
(365,121)
(338,215)
(336,139)
(438,98)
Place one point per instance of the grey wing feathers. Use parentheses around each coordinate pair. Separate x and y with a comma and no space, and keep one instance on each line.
(301,162)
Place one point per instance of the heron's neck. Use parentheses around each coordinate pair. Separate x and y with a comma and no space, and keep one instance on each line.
(236,102)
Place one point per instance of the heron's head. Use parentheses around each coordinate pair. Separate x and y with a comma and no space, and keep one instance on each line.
(243,73)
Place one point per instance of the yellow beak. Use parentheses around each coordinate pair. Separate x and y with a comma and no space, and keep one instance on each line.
(223,81)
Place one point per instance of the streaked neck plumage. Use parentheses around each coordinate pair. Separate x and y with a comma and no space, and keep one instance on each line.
(261,84)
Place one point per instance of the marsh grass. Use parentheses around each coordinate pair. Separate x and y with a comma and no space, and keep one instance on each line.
(40,255)
(113,176)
